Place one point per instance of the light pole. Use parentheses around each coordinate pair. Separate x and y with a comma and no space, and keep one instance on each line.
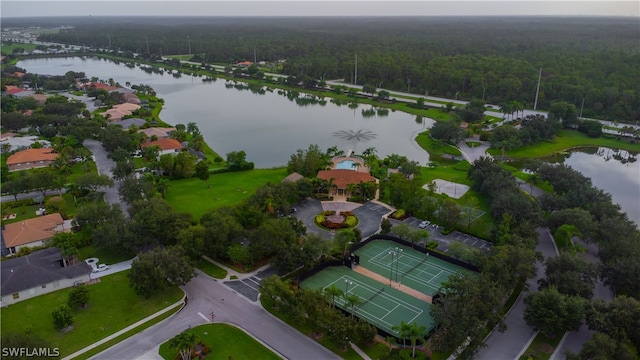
(344,253)
(483,90)
(457,92)
(391,266)
(379,84)
(346,287)
(397,253)
(189,41)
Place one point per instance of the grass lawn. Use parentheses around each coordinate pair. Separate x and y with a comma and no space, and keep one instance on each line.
(541,348)
(434,147)
(211,269)
(105,257)
(226,342)
(127,334)
(8,49)
(113,305)
(567,139)
(194,197)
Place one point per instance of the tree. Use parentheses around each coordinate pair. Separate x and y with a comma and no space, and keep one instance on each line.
(184,165)
(553,313)
(93,182)
(122,169)
(78,297)
(604,347)
(184,343)
(505,138)
(447,131)
(333,291)
(571,275)
(618,319)
(202,171)
(412,331)
(191,240)
(239,254)
(159,269)
(369,89)
(41,180)
(62,317)
(353,300)
(236,160)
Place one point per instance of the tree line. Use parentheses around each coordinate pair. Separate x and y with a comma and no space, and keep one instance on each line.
(494,59)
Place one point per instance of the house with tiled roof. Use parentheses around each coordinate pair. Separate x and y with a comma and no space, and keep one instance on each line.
(127,123)
(12,89)
(159,133)
(341,178)
(166,146)
(31,159)
(32,232)
(38,273)
(293,177)
(117,112)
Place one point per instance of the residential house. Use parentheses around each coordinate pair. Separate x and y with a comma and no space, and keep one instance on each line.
(166,146)
(38,273)
(117,112)
(159,133)
(341,178)
(31,159)
(127,123)
(32,232)
(22,142)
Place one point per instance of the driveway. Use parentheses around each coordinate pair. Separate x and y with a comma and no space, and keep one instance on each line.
(472,154)
(113,268)
(207,295)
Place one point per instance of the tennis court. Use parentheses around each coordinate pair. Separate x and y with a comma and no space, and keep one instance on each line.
(406,266)
(380,305)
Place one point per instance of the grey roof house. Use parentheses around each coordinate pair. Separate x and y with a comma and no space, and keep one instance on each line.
(39,273)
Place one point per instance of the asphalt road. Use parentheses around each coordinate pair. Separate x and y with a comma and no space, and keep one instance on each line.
(207,295)
(509,344)
(104,165)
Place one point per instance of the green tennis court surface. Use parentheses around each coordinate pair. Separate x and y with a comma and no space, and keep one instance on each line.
(407,266)
(380,305)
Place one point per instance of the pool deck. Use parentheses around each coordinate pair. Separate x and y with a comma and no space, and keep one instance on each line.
(356,159)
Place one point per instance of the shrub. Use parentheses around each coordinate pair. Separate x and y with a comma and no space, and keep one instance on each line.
(484,136)
(328,212)
(432,245)
(399,214)
(462,165)
(347,213)
(351,221)
(319,219)
(332,225)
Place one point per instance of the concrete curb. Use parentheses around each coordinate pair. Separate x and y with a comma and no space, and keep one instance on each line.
(554,354)
(526,346)
(128,328)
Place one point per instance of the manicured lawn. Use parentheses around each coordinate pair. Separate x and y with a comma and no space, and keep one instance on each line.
(105,257)
(194,197)
(113,305)
(566,140)
(434,147)
(226,342)
(211,269)
(128,334)
(8,49)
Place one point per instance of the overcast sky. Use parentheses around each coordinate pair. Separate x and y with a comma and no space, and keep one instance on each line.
(24,8)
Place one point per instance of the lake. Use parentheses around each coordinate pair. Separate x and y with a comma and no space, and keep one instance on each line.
(269,127)
(614,171)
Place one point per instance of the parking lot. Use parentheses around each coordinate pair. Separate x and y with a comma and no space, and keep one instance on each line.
(445,240)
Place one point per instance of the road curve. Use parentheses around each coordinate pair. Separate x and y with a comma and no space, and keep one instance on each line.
(207,295)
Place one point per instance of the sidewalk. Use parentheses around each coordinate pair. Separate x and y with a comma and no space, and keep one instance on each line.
(231,272)
(128,328)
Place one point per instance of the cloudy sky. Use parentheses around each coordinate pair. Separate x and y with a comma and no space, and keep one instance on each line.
(23,8)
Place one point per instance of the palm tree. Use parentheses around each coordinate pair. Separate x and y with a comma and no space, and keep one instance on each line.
(184,343)
(333,291)
(411,331)
(353,300)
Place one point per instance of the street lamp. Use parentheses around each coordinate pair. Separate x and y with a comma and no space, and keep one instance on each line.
(344,253)
(189,40)
(379,84)
(394,256)
(397,253)
(457,92)
(391,266)
(346,286)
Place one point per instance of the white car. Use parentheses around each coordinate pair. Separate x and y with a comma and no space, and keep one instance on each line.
(101,267)
(424,224)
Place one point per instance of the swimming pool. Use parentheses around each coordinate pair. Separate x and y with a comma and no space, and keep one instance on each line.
(346,165)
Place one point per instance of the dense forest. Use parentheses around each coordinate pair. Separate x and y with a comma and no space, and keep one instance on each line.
(593,63)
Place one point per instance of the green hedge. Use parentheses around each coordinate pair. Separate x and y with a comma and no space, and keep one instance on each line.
(319,219)
(351,221)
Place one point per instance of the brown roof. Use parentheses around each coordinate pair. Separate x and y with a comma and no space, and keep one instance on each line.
(344,177)
(7,135)
(31,230)
(164,144)
(32,155)
(293,177)
(159,132)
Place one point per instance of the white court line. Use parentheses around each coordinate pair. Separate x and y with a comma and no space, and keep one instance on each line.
(384,295)
(438,274)
(392,310)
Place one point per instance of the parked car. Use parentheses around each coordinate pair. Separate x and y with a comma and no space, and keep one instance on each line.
(424,224)
(101,267)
